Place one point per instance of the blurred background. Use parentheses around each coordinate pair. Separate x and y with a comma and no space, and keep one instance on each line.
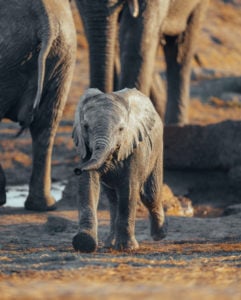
(216,78)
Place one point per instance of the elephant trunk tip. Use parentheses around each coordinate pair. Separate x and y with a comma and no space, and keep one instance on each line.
(77,171)
(90,165)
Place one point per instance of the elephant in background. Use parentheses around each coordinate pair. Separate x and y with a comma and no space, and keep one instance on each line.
(119,139)
(143,25)
(37,58)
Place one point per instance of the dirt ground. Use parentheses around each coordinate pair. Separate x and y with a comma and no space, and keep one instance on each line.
(201,256)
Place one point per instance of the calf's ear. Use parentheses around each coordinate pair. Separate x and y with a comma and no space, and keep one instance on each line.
(79,142)
(141,119)
(77,133)
(89,93)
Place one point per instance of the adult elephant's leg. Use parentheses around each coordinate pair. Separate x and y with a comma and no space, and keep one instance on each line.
(158,94)
(2,187)
(88,196)
(100,23)
(43,130)
(40,197)
(179,52)
(139,39)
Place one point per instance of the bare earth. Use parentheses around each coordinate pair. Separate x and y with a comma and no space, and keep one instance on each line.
(201,256)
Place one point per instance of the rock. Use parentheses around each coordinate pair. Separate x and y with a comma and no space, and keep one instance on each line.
(233,2)
(232,98)
(196,147)
(208,211)
(232,210)
(176,206)
(216,87)
(186,206)
(226,100)
(234,176)
(199,74)
(56,224)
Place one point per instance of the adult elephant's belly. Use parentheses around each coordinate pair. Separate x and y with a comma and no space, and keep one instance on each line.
(171,27)
(18,67)
(18,86)
(16,96)
(178,15)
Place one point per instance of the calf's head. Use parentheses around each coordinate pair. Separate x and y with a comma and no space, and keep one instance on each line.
(106,124)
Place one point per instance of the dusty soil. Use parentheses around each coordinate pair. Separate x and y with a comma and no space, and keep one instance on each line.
(201,256)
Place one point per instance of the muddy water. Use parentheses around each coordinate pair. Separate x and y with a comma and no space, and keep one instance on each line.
(17,194)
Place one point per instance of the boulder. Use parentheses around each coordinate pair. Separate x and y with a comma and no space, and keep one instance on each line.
(196,147)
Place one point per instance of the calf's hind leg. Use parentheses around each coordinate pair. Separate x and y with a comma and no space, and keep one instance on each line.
(152,199)
(113,204)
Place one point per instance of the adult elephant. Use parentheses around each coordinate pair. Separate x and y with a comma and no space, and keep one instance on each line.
(143,26)
(37,58)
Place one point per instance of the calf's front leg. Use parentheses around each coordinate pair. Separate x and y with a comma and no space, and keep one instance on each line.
(88,195)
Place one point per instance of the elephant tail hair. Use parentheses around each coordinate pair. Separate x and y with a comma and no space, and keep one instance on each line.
(20,131)
(46,45)
(29,115)
(43,54)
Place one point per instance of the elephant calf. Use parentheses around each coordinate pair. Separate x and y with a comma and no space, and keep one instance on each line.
(119,139)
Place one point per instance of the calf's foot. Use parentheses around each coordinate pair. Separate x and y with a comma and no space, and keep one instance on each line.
(159,232)
(84,242)
(126,244)
(110,241)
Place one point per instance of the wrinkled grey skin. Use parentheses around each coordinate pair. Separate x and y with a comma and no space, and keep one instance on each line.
(119,138)
(172,23)
(2,187)
(37,57)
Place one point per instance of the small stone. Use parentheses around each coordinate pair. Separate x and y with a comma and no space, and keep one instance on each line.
(56,224)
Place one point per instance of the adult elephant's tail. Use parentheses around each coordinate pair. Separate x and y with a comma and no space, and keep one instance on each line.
(43,54)
(46,43)
(134,8)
